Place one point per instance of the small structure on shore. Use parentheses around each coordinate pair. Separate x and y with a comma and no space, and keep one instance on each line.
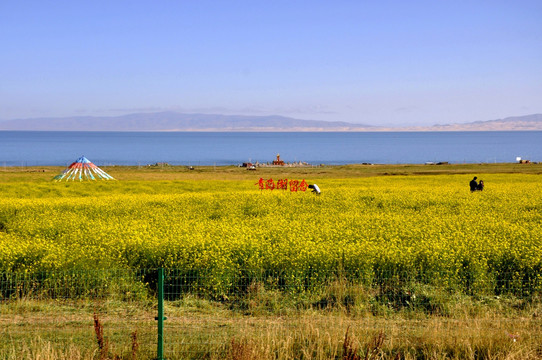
(83,169)
(275,163)
(278,161)
(519,160)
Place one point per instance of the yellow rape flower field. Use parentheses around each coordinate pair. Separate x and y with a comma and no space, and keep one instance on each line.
(428,227)
(404,238)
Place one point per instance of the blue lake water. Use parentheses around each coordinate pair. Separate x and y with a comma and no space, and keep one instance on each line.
(35,148)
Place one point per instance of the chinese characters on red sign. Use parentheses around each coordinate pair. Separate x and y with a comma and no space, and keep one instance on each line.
(282,184)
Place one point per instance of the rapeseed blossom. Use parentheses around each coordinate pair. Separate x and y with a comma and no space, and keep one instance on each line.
(426,228)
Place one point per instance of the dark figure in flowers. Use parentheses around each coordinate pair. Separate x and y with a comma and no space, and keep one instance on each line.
(473,184)
(315,189)
(480,185)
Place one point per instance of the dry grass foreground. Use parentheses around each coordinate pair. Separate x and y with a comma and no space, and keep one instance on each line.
(204,331)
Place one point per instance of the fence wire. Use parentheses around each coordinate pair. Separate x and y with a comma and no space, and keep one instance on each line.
(246,314)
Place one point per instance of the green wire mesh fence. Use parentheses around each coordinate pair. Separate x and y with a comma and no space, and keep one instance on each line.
(243,314)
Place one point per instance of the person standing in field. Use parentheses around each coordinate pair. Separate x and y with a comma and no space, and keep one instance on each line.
(473,184)
(480,186)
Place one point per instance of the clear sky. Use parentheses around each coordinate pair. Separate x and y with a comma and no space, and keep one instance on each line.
(371,62)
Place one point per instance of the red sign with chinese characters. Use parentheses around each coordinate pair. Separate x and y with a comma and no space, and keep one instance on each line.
(282,184)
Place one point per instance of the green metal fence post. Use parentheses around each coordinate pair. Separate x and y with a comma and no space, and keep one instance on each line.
(160,352)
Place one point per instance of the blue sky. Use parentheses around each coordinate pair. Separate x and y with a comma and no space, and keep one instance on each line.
(371,62)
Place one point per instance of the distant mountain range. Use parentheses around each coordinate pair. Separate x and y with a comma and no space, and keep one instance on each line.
(172,121)
(515,123)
